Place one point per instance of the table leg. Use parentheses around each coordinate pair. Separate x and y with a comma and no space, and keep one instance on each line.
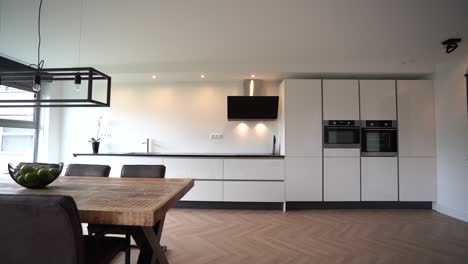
(148,240)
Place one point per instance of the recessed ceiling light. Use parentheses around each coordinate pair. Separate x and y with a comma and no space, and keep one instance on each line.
(253,75)
(154,76)
(202,76)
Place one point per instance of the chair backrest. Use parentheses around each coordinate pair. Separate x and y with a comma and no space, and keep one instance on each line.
(40,229)
(90,170)
(143,171)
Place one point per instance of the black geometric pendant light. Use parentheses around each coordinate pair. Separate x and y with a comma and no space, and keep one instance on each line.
(53,87)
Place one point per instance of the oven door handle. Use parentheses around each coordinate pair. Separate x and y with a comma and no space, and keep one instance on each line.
(340,127)
(384,129)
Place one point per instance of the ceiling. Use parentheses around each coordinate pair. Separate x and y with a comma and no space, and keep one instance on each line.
(230,39)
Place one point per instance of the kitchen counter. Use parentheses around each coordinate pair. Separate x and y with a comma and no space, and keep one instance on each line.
(185,155)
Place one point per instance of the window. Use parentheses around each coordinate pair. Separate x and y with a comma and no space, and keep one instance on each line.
(21,114)
(18,130)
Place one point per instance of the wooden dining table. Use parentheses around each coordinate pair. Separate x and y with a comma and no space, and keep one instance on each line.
(140,204)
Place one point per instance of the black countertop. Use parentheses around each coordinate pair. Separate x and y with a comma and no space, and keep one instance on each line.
(184,155)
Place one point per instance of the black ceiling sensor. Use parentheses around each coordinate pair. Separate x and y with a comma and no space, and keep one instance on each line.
(451,44)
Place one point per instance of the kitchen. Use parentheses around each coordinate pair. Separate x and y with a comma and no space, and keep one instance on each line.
(380,131)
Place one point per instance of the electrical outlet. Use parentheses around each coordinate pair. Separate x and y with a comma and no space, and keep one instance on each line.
(106,135)
(216,136)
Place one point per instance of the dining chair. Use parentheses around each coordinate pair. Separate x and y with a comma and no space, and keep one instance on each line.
(129,171)
(90,170)
(143,171)
(46,229)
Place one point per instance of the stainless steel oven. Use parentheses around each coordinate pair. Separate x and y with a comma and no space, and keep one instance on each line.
(379,138)
(341,134)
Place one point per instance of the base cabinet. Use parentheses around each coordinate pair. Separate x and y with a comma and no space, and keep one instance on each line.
(253,169)
(206,169)
(303,179)
(342,179)
(417,179)
(253,191)
(205,191)
(379,178)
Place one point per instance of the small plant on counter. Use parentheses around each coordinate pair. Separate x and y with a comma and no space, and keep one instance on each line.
(95,140)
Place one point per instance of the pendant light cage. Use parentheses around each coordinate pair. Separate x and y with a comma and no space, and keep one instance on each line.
(88,76)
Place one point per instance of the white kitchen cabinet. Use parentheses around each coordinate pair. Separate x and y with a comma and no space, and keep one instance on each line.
(340,100)
(205,191)
(253,191)
(303,118)
(378,99)
(194,168)
(416,118)
(254,169)
(342,179)
(417,179)
(379,178)
(303,180)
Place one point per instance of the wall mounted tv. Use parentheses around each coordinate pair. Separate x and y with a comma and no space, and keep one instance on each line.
(252,107)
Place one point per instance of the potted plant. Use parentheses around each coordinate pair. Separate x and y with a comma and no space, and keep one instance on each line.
(95,141)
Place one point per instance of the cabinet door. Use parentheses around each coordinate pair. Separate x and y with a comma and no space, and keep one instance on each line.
(194,168)
(303,179)
(417,179)
(342,179)
(251,191)
(205,191)
(379,178)
(378,99)
(416,118)
(254,169)
(303,118)
(340,100)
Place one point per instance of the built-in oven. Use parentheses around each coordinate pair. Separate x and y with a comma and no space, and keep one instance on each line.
(341,134)
(379,138)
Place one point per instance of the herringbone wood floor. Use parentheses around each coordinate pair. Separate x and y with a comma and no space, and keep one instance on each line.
(319,236)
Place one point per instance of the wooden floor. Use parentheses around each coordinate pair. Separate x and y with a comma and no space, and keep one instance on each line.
(319,236)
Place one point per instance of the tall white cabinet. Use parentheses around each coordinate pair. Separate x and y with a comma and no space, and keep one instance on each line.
(303,139)
(379,175)
(417,150)
(340,100)
(341,171)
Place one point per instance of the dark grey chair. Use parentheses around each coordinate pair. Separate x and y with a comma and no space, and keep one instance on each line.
(45,229)
(90,170)
(129,171)
(143,171)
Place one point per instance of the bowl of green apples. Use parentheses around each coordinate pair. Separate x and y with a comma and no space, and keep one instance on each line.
(35,175)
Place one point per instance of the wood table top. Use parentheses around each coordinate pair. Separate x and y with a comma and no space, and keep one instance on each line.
(114,201)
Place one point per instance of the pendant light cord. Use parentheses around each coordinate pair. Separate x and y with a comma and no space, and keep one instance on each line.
(81,31)
(40,63)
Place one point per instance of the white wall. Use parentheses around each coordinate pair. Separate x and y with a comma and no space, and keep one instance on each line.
(176,117)
(452,137)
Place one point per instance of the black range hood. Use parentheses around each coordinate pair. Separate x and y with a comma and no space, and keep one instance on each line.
(252,107)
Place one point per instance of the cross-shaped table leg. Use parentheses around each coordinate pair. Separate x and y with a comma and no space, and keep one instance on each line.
(148,240)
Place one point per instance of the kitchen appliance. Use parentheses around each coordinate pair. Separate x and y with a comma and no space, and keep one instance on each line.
(341,134)
(252,107)
(253,104)
(379,138)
